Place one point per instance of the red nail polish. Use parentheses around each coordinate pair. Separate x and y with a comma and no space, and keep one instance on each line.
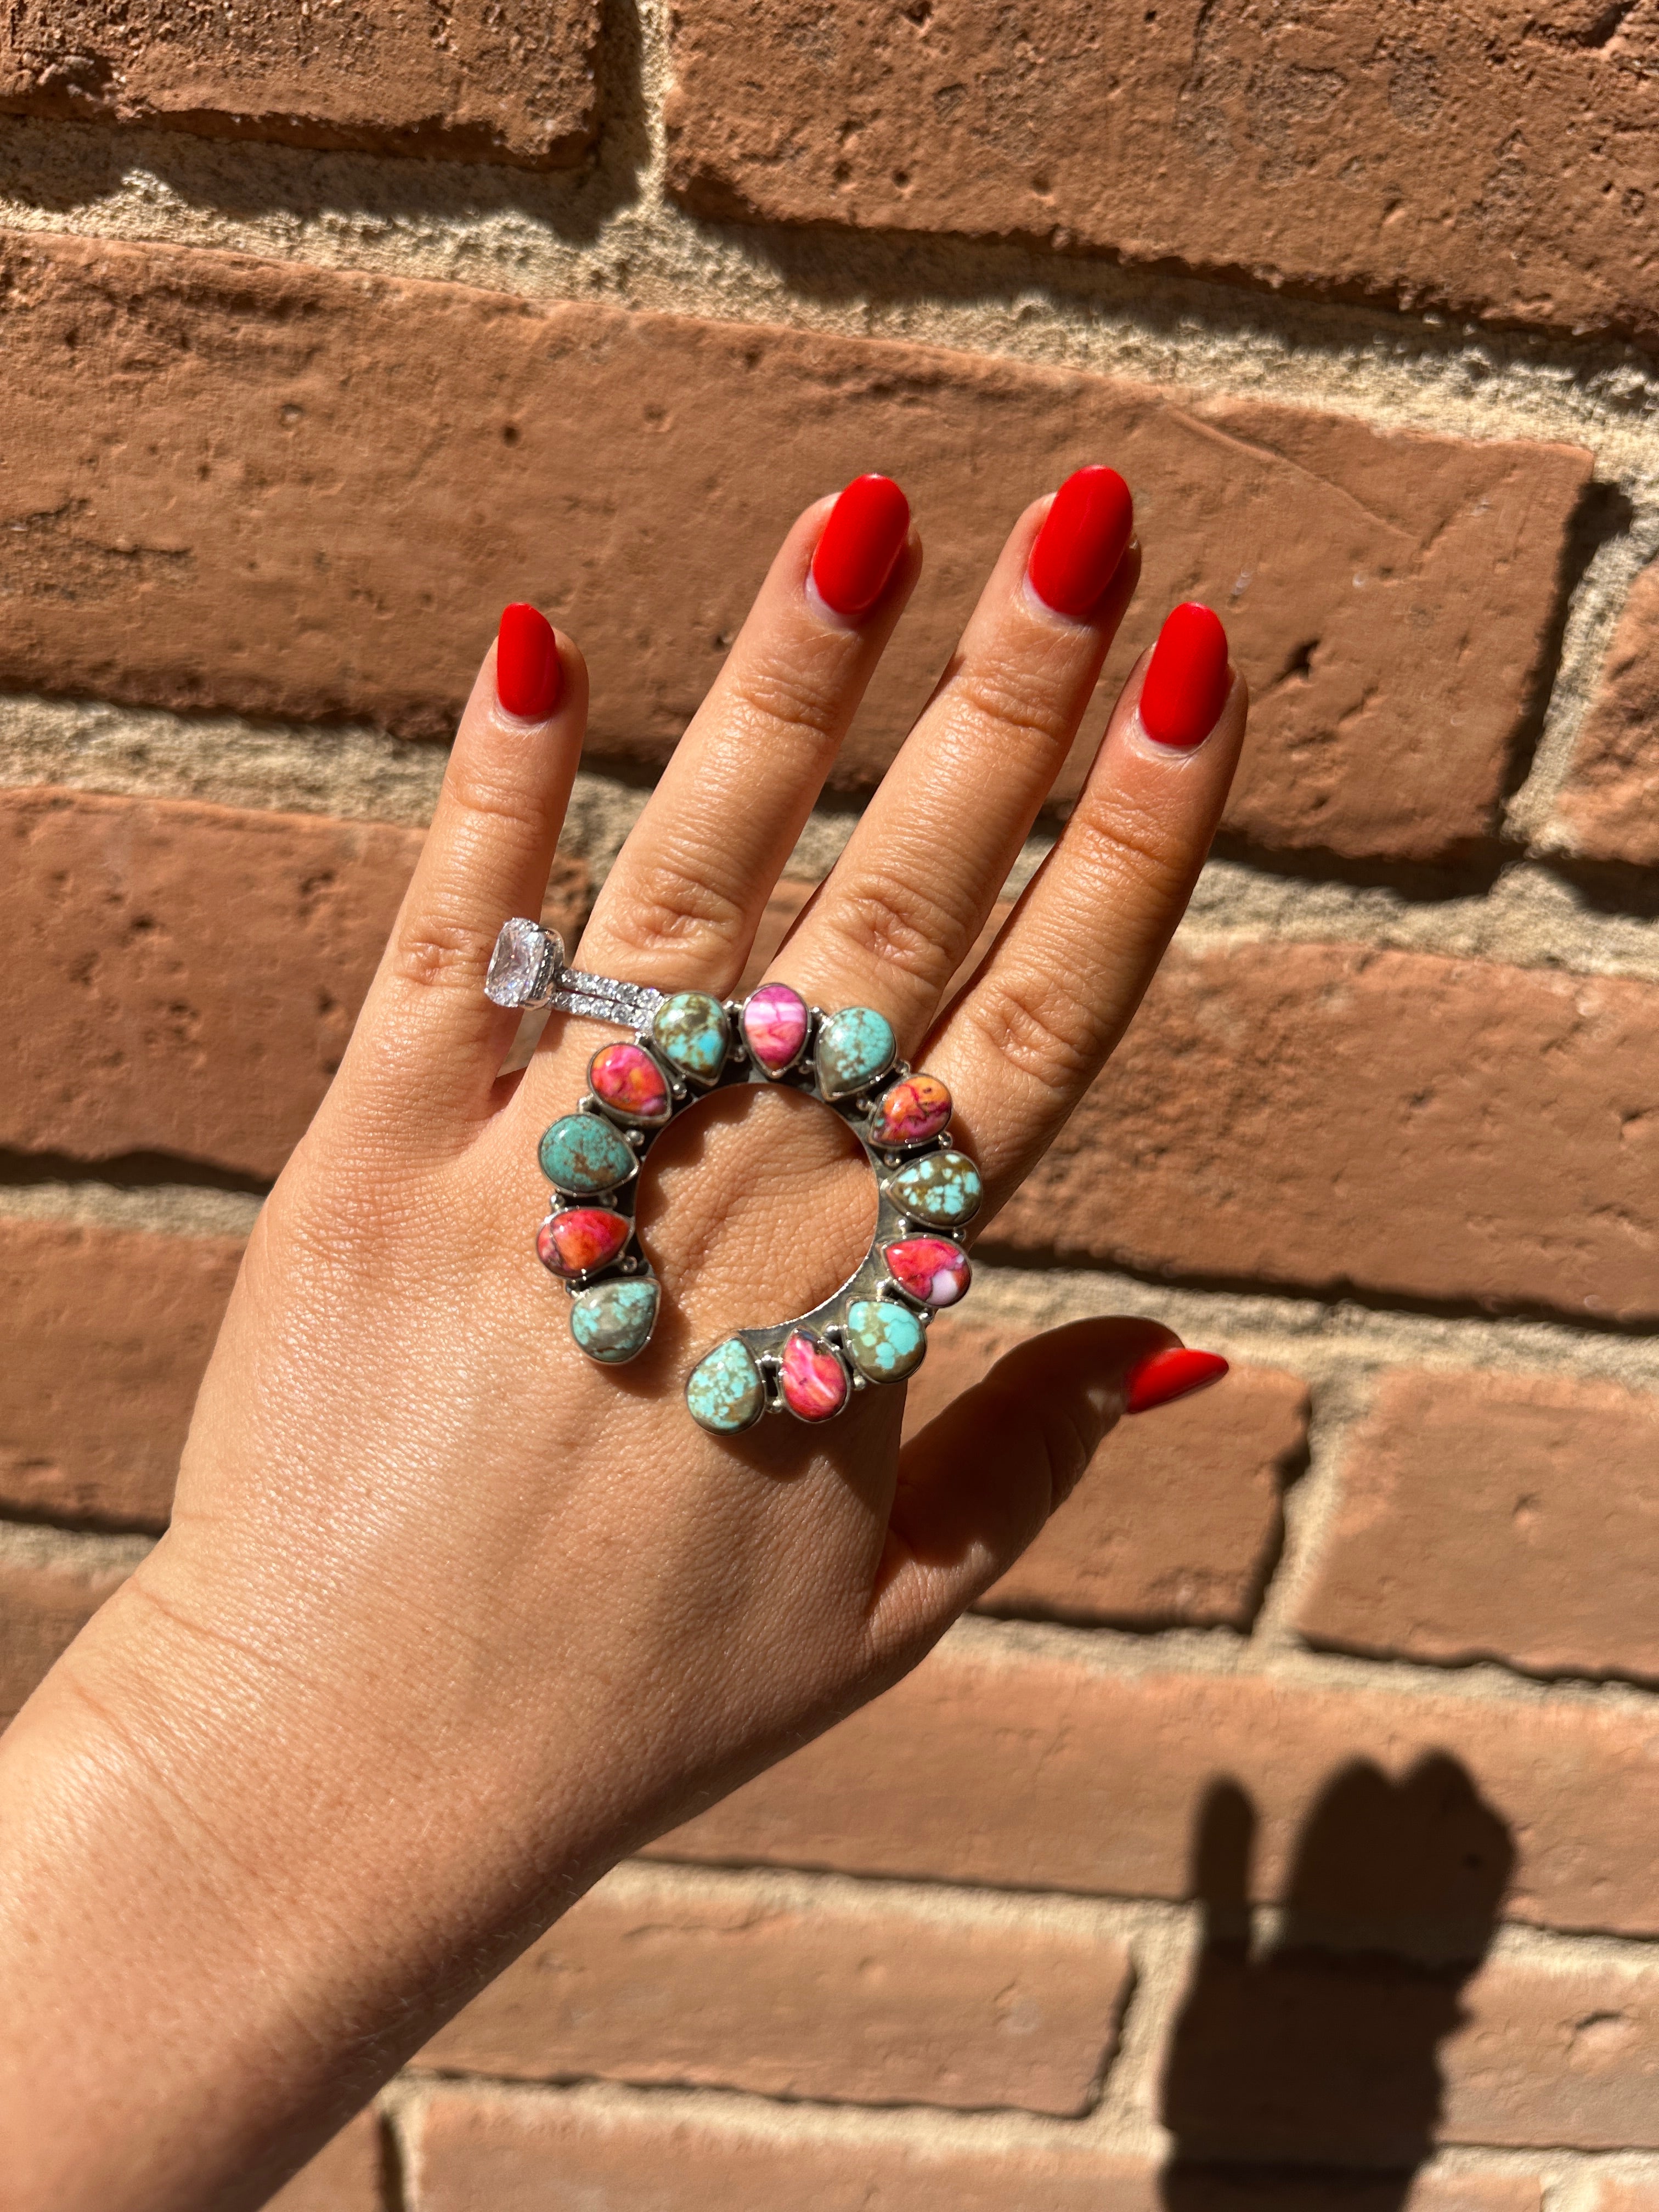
(527,679)
(1186,686)
(861,545)
(1176,1373)
(1081,542)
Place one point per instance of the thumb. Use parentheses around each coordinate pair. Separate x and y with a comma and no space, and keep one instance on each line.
(979,1481)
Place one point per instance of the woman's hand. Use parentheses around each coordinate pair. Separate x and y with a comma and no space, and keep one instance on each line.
(448,1619)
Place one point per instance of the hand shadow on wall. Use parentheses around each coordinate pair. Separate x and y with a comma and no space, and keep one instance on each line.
(1319,2050)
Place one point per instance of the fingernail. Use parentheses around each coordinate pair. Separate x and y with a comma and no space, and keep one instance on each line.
(526,664)
(861,545)
(1186,686)
(1083,538)
(1176,1373)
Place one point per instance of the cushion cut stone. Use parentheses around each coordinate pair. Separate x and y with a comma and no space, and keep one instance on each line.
(692,1034)
(519,961)
(885,1340)
(812,1379)
(944,1190)
(911,1113)
(724,1391)
(774,1020)
(929,1269)
(854,1046)
(628,1081)
(582,1153)
(581,1240)
(613,1322)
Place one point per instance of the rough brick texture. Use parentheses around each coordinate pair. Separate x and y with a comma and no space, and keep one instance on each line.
(1041,1773)
(185,977)
(1176,1521)
(1609,804)
(43,1608)
(1497,1517)
(107,1334)
(1499,160)
(681,1981)
(347,2177)
(473,80)
(1326,1115)
(1391,595)
(476,2151)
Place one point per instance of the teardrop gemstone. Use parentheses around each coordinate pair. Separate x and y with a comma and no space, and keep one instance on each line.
(884,1338)
(584,1154)
(911,1112)
(930,1269)
(854,1046)
(629,1083)
(614,1321)
(813,1381)
(724,1391)
(774,1021)
(690,1032)
(944,1190)
(581,1240)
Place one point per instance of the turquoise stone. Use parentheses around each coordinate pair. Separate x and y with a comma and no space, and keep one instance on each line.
(691,1033)
(854,1046)
(885,1340)
(723,1390)
(615,1320)
(943,1189)
(583,1154)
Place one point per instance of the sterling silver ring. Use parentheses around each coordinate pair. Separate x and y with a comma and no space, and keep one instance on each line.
(686,1044)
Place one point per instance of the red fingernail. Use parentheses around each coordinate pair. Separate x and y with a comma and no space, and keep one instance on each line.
(1186,686)
(861,545)
(1081,542)
(526,664)
(1176,1373)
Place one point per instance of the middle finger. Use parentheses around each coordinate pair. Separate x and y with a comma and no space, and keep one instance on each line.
(902,907)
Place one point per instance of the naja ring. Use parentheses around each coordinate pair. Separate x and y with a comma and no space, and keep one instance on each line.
(686,1043)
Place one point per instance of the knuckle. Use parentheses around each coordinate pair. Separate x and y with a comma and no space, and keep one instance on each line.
(898,922)
(669,906)
(1012,697)
(775,696)
(483,800)
(430,952)
(1040,1028)
(1129,846)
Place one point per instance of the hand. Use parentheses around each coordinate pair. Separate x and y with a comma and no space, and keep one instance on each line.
(449,1619)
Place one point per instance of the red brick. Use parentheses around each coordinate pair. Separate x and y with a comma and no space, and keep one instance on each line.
(43,1607)
(655,1980)
(479,83)
(1620,2194)
(303,428)
(184,978)
(1327,1114)
(1609,804)
(1356,2059)
(1498,160)
(108,1331)
(1497,1517)
(344,2178)
(479,2151)
(1177,1520)
(1042,1772)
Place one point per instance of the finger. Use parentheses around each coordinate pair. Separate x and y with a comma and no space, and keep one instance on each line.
(978,1483)
(1032,1029)
(427,1030)
(902,906)
(681,904)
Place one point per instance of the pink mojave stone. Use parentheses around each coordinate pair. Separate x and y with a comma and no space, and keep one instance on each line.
(812,1379)
(775,1026)
(625,1079)
(911,1112)
(931,1269)
(581,1239)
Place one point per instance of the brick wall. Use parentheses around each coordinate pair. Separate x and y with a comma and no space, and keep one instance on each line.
(1280,1832)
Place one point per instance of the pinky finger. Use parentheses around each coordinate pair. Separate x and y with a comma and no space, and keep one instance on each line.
(1033,1027)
